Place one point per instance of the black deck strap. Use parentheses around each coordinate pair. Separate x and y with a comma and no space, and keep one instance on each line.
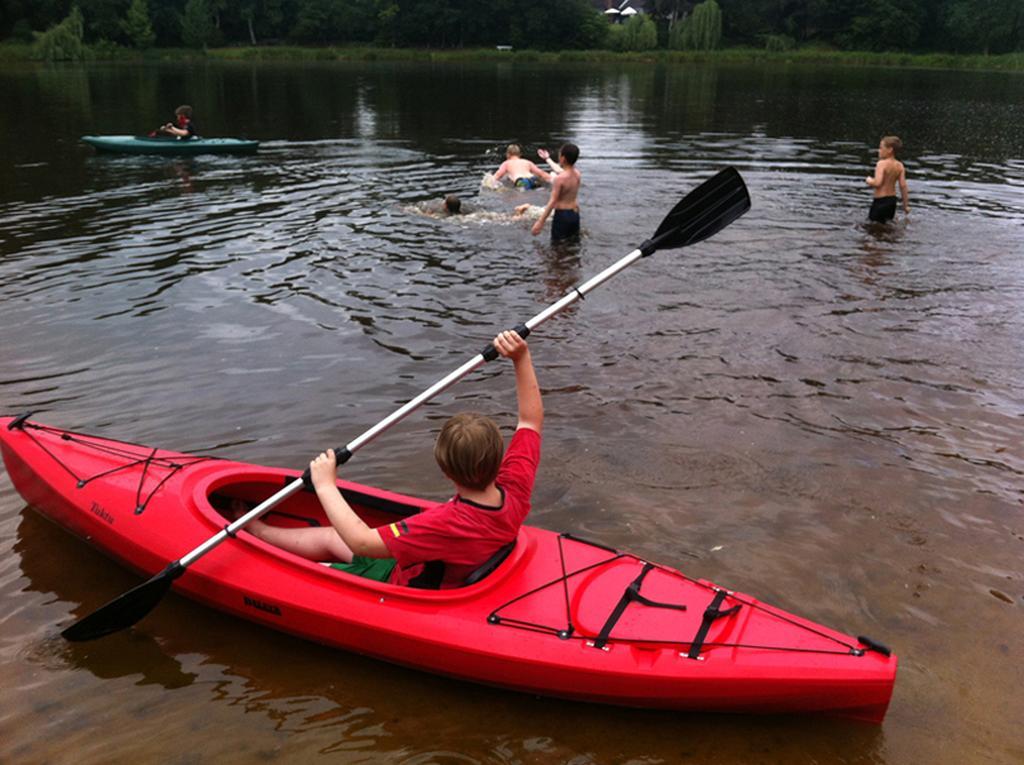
(572,537)
(18,422)
(711,613)
(631,595)
(874,645)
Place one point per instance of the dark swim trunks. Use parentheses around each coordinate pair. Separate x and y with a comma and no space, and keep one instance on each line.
(883,209)
(526,182)
(565,224)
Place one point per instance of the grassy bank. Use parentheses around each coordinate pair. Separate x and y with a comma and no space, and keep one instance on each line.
(1013,61)
(816,56)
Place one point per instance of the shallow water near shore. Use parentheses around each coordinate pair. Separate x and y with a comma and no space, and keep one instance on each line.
(818,412)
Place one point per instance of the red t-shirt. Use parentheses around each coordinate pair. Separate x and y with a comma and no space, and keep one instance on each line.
(461,534)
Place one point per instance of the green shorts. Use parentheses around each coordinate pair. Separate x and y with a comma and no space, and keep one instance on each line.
(377,569)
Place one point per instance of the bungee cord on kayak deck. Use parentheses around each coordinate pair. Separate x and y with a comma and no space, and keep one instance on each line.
(133,459)
(632,595)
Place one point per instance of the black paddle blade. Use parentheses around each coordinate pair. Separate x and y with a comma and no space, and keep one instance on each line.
(702,213)
(125,610)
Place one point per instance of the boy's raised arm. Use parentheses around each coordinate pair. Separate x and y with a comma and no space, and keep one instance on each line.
(546,156)
(531,407)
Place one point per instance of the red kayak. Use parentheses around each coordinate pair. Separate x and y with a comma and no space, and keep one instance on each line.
(557,615)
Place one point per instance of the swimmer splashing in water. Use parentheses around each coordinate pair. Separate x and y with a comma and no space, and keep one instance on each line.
(522,172)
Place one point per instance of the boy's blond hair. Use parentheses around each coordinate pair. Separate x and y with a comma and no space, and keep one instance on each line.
(893,142)
(513,150)
(469,449)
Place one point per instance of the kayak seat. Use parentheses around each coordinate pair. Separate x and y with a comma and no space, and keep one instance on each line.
(490,564)
(432,575)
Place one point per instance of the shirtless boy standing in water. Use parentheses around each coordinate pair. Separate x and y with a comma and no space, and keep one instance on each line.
(888,172)
(564,188)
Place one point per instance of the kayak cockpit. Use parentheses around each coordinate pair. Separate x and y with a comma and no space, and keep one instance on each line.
(303,508)
(223,499)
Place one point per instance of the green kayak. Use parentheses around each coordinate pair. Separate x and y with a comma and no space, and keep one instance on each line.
(140,144)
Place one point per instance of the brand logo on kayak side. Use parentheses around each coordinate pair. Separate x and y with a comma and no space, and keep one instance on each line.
(99,512)
(259,605)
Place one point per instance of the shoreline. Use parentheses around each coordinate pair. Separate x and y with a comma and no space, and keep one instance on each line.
(1006,62)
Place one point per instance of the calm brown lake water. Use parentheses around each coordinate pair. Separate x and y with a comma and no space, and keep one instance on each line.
(819,413)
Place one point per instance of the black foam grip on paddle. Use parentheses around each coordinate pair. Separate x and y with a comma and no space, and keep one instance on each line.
(341,456)
(490,353)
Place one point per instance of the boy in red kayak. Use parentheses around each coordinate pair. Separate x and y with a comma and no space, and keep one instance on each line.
(441,546)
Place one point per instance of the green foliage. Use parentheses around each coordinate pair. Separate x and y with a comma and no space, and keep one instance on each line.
(985,26)
(107,50)
(781,26)
(103,19)
(387,22)
(197,28)
(884,25)
(637,34)
(22,31)
(62,42)
(701,30)
(593,31)
(137,27)
(779,43)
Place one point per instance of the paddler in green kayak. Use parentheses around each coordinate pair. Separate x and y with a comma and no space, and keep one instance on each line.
(182,127)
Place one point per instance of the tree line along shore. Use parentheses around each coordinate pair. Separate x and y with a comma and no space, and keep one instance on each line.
(921,33)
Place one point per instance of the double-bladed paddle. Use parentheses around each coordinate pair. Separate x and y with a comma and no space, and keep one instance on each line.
(702,213)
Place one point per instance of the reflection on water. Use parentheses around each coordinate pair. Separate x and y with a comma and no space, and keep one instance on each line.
(820,412)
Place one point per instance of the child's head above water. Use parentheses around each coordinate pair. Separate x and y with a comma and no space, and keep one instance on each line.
(513,150)
(569,153)
(469,449)
(452,204)
(891,143)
